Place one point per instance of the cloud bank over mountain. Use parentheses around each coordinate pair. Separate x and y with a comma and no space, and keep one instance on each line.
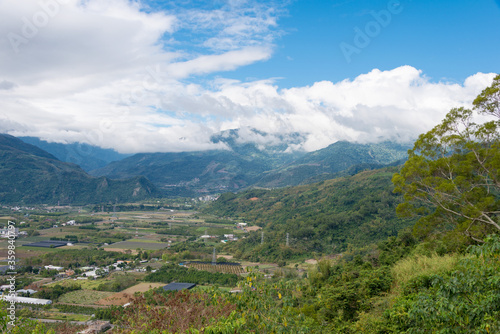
(137,78)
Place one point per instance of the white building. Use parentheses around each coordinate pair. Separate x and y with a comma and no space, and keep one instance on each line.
(96,272)
(51,267)
(27,300)
(29,291)
(6,232)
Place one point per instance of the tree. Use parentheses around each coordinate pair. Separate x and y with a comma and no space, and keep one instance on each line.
(452,176)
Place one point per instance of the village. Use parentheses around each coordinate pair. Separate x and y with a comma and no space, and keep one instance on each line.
(81,260)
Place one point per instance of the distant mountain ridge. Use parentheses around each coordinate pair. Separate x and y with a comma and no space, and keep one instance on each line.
(30,175)
(88,157)
(330,162)
(248,164)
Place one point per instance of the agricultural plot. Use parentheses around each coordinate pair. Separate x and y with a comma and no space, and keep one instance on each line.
(123,297)
(85,284)
(226,268)
(142,287)
(148,245)
(117,299)
(84,297)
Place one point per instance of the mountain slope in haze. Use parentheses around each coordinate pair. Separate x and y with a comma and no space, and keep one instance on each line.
(30,175)
(327,163)
(88,157)
(215,171)
(188,174)
(323,217)
(247,164)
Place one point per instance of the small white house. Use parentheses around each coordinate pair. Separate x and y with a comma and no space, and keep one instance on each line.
(51,267)
(28,291)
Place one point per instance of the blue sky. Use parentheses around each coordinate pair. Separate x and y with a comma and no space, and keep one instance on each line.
(448,40)
(151,76)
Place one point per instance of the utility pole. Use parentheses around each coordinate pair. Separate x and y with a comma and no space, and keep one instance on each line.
(262,238)
(288,239)
(214,259)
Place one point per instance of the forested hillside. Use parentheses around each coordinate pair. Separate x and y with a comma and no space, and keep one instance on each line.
(32,176)
(340,158)
(323,217)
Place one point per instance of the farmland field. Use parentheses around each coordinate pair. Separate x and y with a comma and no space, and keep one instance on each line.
(218,268)
(148,245)
(142,287)
(84,297)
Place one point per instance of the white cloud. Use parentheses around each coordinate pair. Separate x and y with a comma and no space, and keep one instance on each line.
(108,73)
(390,105)
(215,63)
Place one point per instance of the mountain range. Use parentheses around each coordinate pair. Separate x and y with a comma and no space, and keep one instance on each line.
(247,164)
(36,174)
(88,157)
(30,175)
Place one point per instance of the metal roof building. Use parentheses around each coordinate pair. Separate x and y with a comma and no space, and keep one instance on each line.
(27,300)
(178,286)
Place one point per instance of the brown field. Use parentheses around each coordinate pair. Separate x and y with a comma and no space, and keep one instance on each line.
(143,287)
(120,250)
(118,299)
(125,296)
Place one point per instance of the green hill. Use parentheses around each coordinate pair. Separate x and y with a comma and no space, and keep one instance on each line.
(323,217)
(30,175)
(331,161)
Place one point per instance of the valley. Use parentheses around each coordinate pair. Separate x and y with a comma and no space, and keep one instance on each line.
(337,246)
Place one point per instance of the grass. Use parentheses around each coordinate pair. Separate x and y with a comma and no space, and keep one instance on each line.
(403,271)
(38,249)
(64,316)
(411,267)
(144,241)
(84,297)
(84,284)
(135,245)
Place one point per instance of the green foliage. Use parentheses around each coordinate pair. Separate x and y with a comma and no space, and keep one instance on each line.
(175,273)
(78,257)
(54,292)
(395,248)
(111,313)
(119,283)
(76,309)
(12,324)
(452,177)
(340,292)
(463,300)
